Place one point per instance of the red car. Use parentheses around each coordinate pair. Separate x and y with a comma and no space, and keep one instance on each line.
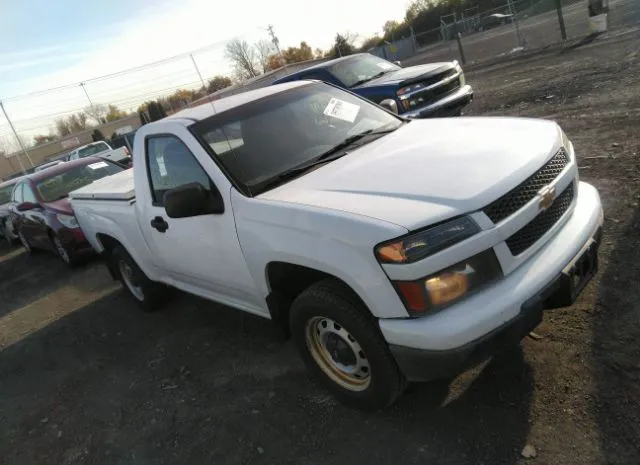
(41,214)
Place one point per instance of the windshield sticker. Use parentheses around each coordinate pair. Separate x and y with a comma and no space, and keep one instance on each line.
(342,110)
(384,65)
(97,166)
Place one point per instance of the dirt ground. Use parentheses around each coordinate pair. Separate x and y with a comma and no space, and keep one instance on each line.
(85,378)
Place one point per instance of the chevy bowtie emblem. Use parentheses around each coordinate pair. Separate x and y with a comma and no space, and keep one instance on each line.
(547,196)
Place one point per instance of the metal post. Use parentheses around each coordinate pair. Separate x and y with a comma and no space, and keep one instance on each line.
(460,48)
(563,30)
(93,109)
(197,70)
(24,151)
(513,12)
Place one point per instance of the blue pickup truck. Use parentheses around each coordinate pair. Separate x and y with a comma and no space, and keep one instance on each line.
(435,89)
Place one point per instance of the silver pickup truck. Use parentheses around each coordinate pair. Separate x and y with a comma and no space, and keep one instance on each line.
(103,150)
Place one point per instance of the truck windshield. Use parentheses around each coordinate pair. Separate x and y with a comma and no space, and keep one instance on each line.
(5,194)
(260,141)
(360,69)
(59,185)
(93,150)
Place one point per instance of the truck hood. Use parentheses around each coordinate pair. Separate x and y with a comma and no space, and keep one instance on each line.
(428,170)
(406,75)
(4,210)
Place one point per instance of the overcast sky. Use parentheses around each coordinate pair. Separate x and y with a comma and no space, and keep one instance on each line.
(50,43)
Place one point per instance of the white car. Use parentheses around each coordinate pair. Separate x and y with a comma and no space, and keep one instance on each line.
(391,250)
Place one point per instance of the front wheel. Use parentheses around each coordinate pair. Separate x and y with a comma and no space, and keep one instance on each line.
(341,344)
(148,294)
(25,243)
(61,250)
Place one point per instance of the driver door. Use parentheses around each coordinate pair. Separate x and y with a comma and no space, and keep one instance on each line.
(201,253)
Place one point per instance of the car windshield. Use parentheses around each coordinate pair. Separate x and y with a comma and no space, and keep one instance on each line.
(93,150)
(261,140)
(5,194)
(359,69)
(59,185)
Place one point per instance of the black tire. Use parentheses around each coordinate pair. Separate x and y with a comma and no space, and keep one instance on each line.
(26,245)
(332,300)
(153,295)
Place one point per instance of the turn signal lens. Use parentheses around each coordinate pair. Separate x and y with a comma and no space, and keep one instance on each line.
(413,295)
(446,287)
(392,253)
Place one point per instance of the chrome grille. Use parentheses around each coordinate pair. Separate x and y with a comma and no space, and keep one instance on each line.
(536,228)
(517,198)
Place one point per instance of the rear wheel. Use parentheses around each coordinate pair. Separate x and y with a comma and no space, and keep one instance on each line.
(341,344)
(149,295)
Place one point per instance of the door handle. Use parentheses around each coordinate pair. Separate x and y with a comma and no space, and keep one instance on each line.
(160,224)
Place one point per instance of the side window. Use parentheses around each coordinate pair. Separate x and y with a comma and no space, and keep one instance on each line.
(171,164)
(17,194)
(28,195)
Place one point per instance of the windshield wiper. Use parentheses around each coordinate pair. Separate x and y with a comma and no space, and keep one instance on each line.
(362,81)
(334,153)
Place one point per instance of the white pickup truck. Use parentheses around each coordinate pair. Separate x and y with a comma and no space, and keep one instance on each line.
(103,150)
(391,250)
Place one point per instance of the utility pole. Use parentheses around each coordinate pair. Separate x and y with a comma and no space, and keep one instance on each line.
(24,151)
(512,11)
(93,109)
(563,30)
(198,71)
(275,41)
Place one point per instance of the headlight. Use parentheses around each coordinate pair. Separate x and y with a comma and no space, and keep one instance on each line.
(411,88)
(449,285)
(418,245)
(68,221)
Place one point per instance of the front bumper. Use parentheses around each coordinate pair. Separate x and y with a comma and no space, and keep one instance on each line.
(434,345)
(447,105)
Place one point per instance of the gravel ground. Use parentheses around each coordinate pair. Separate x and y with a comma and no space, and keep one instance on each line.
(87,378)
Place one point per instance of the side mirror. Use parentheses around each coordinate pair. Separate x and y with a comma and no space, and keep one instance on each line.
(390,105)
(192,200)
(26,206)
(398,63)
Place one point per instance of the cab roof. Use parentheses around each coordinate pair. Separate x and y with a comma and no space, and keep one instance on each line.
(208,109)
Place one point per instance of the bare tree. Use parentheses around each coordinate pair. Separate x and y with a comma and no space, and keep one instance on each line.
(97,112)
(244,58)
(265,49)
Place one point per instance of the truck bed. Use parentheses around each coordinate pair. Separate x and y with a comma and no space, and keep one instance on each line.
(116,187)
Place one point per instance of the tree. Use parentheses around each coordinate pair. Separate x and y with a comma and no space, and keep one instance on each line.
(97,135)
(43,139)
(62,128)
(370,43)
(390,27)
(342,46)
(218,83)
(114,113)
(291,55)
(74,123)
(97,112)
(264,50)
(155,111)
(244,59)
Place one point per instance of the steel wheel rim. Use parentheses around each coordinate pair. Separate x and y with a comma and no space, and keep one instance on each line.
(25,244)
(127,276)
(64,255)
(338,353)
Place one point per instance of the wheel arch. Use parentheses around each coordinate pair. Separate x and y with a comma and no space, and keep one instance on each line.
(286,281)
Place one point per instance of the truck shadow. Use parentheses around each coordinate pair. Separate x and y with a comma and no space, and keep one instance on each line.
(614,350)
(199,383)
